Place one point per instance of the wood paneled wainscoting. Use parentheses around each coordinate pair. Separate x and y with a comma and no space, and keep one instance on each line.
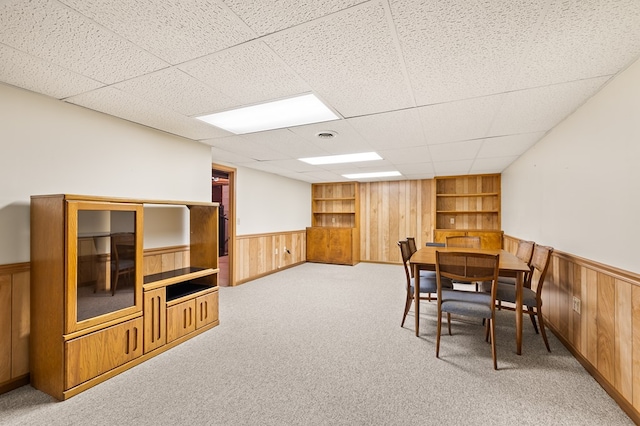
(603,330)
(14,326)
(263,254)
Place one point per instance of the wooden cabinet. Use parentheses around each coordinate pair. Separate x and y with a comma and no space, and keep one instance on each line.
(332,245)
(155,319)
(334,235)
(468,205)
(206,309)
(89,356)
(94,313)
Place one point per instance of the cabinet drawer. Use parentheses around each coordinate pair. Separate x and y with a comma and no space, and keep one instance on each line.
(181,319)
(89,356)
(155,319)
(206,309)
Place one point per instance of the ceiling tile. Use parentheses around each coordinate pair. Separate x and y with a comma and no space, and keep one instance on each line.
(246,148)
(176,90)
(418,154)
(417,170)
(347,140)
(249,73)
(452,168)
(582,39)
(504,146)
(267,16)
(540,109)
(53,32)
(286,142)
(458,49)
(397,128)
(25,71)
(349,58)
(175,31)
(120,104)
(458,121)
(290,165)
(455,150)
(220,155)
(491,165)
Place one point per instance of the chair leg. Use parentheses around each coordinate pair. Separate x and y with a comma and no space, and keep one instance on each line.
(544,333)
(407,306)
(485,322)
(449,322)
(115,284)
(493,343)
(438,332)
(532,316)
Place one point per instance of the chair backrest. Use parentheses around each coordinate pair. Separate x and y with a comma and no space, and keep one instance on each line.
(405,252)
(465,266)
(525,251)
(412,244)
(463,241)
(123,246)
(539,265)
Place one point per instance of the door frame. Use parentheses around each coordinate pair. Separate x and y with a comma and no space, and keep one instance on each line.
(231,212)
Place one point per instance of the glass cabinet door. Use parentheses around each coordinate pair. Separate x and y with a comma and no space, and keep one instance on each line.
(104,262)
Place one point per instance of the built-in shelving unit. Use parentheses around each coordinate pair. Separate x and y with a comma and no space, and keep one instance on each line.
(335,223)
(468,205)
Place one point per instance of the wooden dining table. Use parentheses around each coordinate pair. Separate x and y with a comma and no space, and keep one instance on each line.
(509,265)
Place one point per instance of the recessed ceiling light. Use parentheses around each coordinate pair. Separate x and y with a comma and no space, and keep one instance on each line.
(296,111)
(371,175)
(344,158)
(326,134)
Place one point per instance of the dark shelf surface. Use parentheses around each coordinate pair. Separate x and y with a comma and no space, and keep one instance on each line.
(171,274)
(177,291)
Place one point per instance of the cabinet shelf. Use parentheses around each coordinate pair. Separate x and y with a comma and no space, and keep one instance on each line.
(176,276)
(478,194)
(177,292)
(466,211)
(333,212)
(335,199)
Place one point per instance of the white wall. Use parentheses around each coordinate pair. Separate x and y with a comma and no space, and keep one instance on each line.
(270,203)
(51,147)
(578,189)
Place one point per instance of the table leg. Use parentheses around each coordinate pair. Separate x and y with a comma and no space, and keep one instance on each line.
(519,285)
(416,296)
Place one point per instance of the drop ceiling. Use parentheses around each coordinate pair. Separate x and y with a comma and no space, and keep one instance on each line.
(437,88)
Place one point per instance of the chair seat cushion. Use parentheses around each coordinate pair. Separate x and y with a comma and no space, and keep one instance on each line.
(507,293)
(467,303)
(430,284)
(507,280)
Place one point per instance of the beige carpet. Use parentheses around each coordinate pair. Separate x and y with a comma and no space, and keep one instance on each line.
(322,345)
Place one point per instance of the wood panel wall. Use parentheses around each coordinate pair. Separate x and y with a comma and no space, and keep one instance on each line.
(393,211)
(256,254)
(605,335)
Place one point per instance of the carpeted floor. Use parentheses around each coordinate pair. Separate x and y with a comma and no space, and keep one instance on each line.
(322,345)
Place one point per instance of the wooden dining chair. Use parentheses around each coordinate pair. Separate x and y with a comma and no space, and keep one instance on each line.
(532,289)
(427,284)
(467,266)
(524,253)
(413,247)
(123,260)
(463,241)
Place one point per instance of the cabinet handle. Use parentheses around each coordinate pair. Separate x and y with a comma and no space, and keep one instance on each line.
(184,320)
(190,315)
(126,348)
(159,313)
(135,341)
(206,310)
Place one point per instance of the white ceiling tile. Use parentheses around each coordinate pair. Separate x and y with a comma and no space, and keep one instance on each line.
(540,109)
(582,39)
(267,16)
(249,73)
(175,31)
(23,70)
(220,155)
(491,165)
(325,176)
(247,148)
(461,120)
(120,104)
(178,91)
(417,154)
(53,32)
(286,142)
(347,140)
(459,49)
(510,145)
(396,128)
(349,59)
(291,165)
(452,168)
(455,150)
(417,169)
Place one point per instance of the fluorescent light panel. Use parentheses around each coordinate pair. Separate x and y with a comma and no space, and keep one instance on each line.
(371,175)
(343,158)
(296,111)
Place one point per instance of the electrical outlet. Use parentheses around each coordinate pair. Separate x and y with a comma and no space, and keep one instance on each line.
(452,221)
(276,251)
(576,304)
(333,220)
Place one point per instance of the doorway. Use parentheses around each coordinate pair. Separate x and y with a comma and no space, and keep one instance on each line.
(223,192)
